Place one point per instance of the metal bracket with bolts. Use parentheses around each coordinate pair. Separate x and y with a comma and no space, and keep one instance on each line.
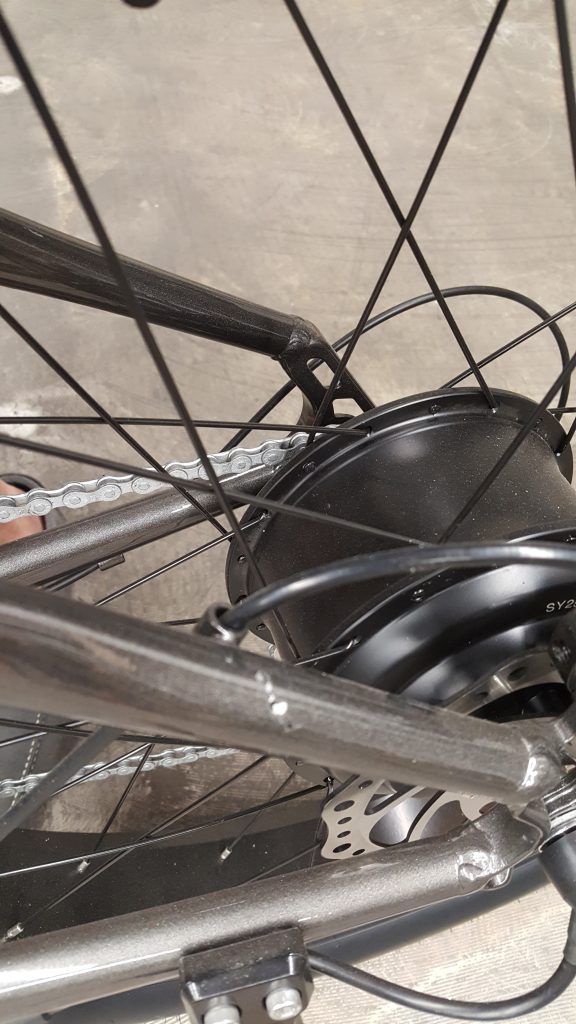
(256,980)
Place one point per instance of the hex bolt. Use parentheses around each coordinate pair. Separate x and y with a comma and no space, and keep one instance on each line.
(283,1003)
(222,1013)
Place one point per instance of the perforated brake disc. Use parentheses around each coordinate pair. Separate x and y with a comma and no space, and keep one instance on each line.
(468,639)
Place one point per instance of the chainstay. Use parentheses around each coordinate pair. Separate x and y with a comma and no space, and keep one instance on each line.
(76,495)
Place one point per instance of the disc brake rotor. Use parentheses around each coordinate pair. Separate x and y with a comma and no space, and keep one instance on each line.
(370,814)
(474,641)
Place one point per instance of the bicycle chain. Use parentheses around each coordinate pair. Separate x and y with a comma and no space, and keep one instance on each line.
(41,501)
(231,464)
(172,757)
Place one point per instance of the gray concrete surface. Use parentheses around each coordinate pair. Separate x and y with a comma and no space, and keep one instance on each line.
(213,149)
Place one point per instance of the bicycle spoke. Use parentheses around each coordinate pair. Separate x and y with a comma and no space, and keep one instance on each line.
(570,99)
(70,578)
(122,799)
(404,222)
(18,928)
(73,729)
(48,786)
(330,793)
(180,622)
(128,587)
(101,768)
(406,307)
(510,450)
(285,863)
(569,434)
(150,421)
(313,658)
(567,73)
(178,834)
(253,499)
(84,864)
(68,729)
(253,820)
(269,405)
(85,395)
(127,293)
(504,349)
(320,824)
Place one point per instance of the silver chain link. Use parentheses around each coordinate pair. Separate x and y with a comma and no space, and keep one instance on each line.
(171,757)
(231,464)
(41,501)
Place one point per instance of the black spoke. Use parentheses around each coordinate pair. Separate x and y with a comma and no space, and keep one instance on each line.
(254,819)
(313,658)
(568,83)
(126,291)
(123,798)
(404,222)
(28,804)
(510,451)
(286,863)
(320,824)
(102,768)
(81,868)
(74,729)
(68,579)
(103,413)
(530,333)
(329,793)
(269,405)
(69,729)
(180,622)
(155,573)
(18,928)
(423,300)
(154,841)
(149,421)
(253,499)
(569,434)
(567,73)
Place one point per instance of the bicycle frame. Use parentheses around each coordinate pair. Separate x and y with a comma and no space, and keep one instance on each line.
(38,259)
(49,972)
(51,653)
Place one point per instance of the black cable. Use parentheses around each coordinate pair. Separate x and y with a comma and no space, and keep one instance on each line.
(422,300)
(398,561)
(500,1010)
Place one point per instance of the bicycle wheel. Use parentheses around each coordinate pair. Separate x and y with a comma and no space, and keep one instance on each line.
(435,465)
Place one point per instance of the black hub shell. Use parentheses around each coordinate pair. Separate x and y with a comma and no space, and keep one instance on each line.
(423,459)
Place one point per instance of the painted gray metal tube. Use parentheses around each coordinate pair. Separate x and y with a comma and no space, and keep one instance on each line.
(45,555)
(71,659)
(36,258)
(163,1000)
(50,972)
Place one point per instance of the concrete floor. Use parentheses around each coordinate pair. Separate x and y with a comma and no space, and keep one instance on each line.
(213,149)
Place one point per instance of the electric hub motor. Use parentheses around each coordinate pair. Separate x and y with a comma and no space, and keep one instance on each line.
(475,640)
